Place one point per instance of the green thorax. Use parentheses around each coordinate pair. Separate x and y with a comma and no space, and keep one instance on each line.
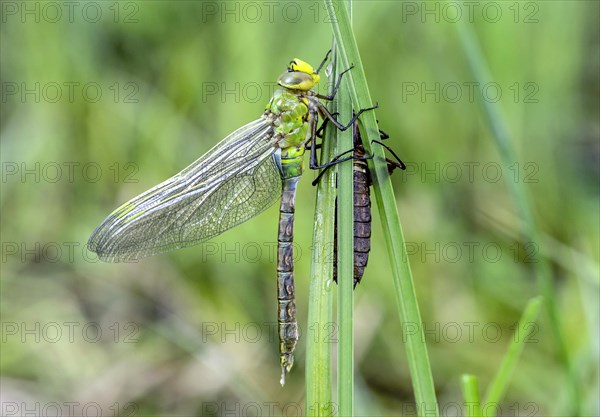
(288,114)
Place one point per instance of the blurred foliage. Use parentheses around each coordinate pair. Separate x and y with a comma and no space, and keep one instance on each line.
(191,332)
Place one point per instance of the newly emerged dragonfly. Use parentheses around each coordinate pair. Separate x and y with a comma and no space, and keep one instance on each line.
(234,181)
(362,198)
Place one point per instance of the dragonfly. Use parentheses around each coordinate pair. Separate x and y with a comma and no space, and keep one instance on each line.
(361,195)
(241,176)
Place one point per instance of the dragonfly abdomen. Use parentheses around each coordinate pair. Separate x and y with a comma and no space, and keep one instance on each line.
(286,307)
(362,222)
(362,219)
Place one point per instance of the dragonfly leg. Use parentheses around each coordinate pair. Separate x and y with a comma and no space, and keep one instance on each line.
(324,61)
(336,161)
(328,165)
(383,135)
(327,115)
(321,129)
(312,132)
(398,163)
(336,87)
(319,134)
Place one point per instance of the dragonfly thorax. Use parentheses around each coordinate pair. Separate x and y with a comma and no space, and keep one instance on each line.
(287,113)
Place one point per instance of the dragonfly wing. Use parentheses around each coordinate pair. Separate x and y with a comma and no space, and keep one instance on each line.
(234,181)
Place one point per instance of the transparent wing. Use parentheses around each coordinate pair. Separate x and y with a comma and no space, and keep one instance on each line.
(234,181)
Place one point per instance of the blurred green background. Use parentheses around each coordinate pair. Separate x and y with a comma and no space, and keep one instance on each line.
(102,100)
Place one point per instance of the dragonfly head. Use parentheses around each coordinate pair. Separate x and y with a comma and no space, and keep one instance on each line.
(299,76)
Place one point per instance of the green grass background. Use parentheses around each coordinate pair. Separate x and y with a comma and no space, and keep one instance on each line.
(157,354)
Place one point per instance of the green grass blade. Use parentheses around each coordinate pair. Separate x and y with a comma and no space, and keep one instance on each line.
(497,389)
(345,263)
(505,144)
(320,305)
(470,388)
(345,273)
(416,349)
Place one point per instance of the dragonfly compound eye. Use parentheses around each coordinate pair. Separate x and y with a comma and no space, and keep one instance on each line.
(299,76)
(296,80)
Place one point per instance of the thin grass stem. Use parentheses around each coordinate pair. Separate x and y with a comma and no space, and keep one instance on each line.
(499,385)
(470,389)
(320,305)
(345,251)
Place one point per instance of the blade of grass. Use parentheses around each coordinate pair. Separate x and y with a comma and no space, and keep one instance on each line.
(497,389)
(470,388)
(345,263)
(320,303)
(416,349)
(505,144)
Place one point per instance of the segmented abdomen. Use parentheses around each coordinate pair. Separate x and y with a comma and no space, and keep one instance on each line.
(286,307)
(362,222)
